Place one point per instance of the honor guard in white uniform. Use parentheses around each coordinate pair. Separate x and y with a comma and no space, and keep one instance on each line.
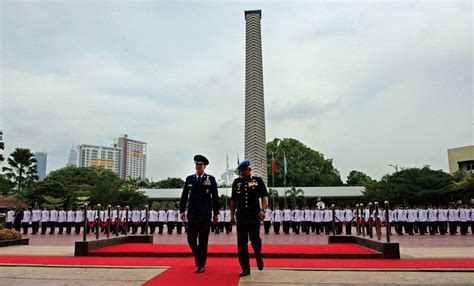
(297,219)
(422,220)
(267,221)
(287,218)
(136,219)
(44,220)
(432,219)
(70,217)
(35,220)
(453,220)
(318,220)
(227,219)
(464,217)
(78,220)
(179,222)
(307,220)
(25,221)
(53,219)
(10,218)
(348,218)
(61,220)
(170,220)
(327,219)
(161,220)
(153,214)
(277,217)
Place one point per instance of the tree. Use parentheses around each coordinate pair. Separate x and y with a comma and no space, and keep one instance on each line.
(306,167)
(357,178)
(6,186)
(169,183)
(464,184)
(52,202)
(295,195)
(414,186)
(22,170)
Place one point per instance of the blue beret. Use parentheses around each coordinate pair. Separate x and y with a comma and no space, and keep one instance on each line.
(200,159)
(243,164)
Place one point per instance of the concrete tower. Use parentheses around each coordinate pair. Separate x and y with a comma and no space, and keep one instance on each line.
(255,141)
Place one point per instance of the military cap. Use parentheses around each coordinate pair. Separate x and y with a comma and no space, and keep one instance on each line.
(200,159)
(243,164)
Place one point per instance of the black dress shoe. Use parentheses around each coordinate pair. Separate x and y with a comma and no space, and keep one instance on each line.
(259,262)
(244,273)
(199,269)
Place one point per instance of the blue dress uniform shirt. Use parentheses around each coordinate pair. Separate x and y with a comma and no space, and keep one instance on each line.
(202,196)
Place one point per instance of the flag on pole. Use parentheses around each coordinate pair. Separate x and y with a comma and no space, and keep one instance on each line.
(227,160)
(274,165)
(238,161)
(285,166)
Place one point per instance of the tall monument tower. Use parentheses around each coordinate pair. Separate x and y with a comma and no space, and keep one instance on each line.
(255,141)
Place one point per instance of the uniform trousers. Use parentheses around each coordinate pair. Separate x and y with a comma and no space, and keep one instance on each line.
(245,231)
(198,237)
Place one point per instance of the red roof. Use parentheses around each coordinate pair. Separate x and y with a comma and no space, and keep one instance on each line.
(10,202)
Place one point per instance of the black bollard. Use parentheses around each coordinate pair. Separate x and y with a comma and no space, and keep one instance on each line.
(108,220)
(371,221)
(146,220)
(84,237)
(333,207)
(126,219)
(357,220)
(378,226)
(387,220)
(97,226)
(117,221)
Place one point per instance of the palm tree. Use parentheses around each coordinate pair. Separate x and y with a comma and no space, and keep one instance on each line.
(22,170)
(294,193)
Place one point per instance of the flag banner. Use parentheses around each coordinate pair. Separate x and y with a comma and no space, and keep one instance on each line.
(274,165)
(285,166)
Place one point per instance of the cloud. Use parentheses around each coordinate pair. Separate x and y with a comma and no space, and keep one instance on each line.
(366,84)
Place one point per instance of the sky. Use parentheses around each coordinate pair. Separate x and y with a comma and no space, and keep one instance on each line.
(367,84)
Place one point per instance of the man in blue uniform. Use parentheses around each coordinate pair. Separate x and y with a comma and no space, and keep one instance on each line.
(200,190)
(247,191)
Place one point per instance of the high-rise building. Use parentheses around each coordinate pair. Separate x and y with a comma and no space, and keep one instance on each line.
(133,157)
(255,142)
(2,146)
(108,158)
(72,159)
(41,159)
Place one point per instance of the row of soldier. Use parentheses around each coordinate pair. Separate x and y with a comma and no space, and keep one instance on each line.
(404,219)
(407,220)
(41,219)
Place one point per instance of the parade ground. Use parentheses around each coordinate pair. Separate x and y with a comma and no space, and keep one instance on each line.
(49,260)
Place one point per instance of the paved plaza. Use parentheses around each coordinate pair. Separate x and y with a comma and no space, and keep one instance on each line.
(412,247)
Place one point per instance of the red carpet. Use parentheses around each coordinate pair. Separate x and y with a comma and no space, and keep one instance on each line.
(223,262)
(333,248)
(224,271)
(218,272)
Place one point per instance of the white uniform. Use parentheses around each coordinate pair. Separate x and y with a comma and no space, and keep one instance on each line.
(277,215)
(61,216)
(26,216)
(10,216)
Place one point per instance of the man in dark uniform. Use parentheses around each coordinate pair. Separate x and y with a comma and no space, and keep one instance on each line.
(201,191)
(247,190)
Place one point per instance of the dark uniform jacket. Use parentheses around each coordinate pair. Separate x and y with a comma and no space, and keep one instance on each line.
(202,196)
(246,193)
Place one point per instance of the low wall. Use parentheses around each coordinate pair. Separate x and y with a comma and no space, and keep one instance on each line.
(21,241)
(82,248)
(388,249)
